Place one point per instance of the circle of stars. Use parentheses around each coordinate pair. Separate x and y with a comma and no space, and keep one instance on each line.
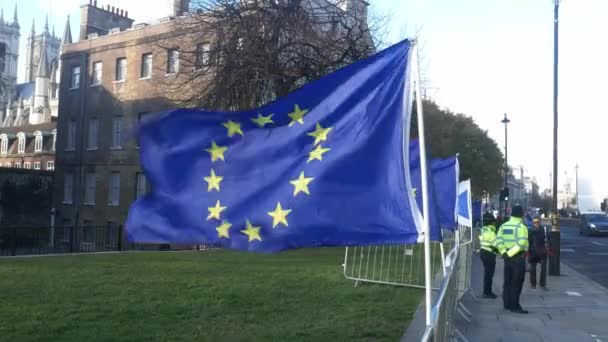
(301,184)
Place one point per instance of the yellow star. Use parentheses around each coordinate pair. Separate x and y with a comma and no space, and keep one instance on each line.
(233,128)
(214,181)
(279,216)
(320,134)
(222,229)
(217,152)
(263,120)
(252,232)
(297,115)
(214,212)
(317,153)
(301,185)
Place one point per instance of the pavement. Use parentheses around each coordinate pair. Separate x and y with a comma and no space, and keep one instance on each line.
(585,254)
(574,309)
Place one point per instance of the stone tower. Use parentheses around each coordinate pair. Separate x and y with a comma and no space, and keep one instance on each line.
(9,55)
(35,44)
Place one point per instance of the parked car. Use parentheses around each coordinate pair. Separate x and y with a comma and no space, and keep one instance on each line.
(593,223)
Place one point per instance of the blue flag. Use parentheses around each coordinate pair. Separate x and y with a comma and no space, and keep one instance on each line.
(322,166)
(442,187)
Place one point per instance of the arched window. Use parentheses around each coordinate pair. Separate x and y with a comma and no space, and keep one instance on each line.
(54,132)
(21,143)
(38,141)
(3,144)
(3,57)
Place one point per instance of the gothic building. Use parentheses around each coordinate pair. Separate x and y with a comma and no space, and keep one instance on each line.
(29,110)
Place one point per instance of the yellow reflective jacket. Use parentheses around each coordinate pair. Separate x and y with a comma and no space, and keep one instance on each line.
(513,237)
(488,240)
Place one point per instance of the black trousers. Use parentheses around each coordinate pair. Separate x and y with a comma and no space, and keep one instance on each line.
(489,265)
(515,274)
(543,272)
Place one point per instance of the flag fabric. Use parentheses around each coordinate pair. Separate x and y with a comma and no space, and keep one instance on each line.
(442,187)
(465,215)
(322,166)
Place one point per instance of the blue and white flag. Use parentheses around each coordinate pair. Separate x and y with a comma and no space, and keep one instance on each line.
(465,214)
(322,166)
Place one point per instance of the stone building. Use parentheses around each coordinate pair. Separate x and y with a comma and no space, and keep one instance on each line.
(29,110)
(111,79)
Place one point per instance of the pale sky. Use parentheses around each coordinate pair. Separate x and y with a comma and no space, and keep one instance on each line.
(482,58)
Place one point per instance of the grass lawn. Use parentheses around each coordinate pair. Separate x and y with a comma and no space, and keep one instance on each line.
(196,296)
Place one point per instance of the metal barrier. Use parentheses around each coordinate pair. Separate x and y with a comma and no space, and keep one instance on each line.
(400,265)
(442,316)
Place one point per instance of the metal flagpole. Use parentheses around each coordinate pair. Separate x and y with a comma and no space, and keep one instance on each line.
(425,193)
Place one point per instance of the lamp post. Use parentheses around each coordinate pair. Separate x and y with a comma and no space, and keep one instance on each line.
(578,206)
(554,260)
(505,195)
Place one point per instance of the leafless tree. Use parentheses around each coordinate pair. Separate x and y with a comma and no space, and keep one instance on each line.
(240,54)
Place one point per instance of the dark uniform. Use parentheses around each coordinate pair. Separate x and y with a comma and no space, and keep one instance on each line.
(487,252)
(513,244)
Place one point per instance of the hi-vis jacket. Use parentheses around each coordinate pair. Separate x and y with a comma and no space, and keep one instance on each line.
(513,237)
(487,239)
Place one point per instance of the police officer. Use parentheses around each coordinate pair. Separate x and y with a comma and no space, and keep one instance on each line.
(488,251)
(513,244)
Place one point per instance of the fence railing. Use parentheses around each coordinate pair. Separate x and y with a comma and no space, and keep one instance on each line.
(442,316)
(399,265)
(19,240)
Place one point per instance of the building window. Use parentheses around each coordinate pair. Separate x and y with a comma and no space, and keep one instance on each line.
(89,192)
(117,132)
(121,69)
(21,143)
(172,61)
(68,188)
(17,165)
(27,165)
(50,165)
(54,138)
(202,55)
(114,189)
(97,72)
(38,142)
(3,145)
(75,78)
(71,144)
(36,165)
(140,182)
(7,164)
(146,65)
(93,134)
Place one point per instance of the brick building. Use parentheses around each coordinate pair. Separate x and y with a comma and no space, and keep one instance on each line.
(111,79)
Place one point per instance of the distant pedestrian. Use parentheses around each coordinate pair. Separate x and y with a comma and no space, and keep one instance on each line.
(487,252)
(513,244)
(538,253)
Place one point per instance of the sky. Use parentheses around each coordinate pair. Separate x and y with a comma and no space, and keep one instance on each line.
(482,58)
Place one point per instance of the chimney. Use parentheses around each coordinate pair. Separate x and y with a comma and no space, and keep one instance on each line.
(95,3)
(180,7)
(113,9)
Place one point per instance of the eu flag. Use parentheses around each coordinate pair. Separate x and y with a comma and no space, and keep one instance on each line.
(322,166)
(442,187)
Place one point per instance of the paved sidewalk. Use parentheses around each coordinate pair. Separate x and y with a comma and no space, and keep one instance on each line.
(574,309)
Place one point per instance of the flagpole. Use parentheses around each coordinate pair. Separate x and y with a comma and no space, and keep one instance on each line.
(425,193)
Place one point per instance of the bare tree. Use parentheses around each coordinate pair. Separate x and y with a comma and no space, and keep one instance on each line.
(240,54)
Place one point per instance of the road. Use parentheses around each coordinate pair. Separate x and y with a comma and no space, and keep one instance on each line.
(587,255)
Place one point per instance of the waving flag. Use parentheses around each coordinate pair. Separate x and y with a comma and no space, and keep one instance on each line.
(323,166)
(443,185)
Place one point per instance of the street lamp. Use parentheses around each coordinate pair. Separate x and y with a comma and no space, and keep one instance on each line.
(554,260)
(505,192)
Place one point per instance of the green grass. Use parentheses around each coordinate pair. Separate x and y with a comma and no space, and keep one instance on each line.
(197,296)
